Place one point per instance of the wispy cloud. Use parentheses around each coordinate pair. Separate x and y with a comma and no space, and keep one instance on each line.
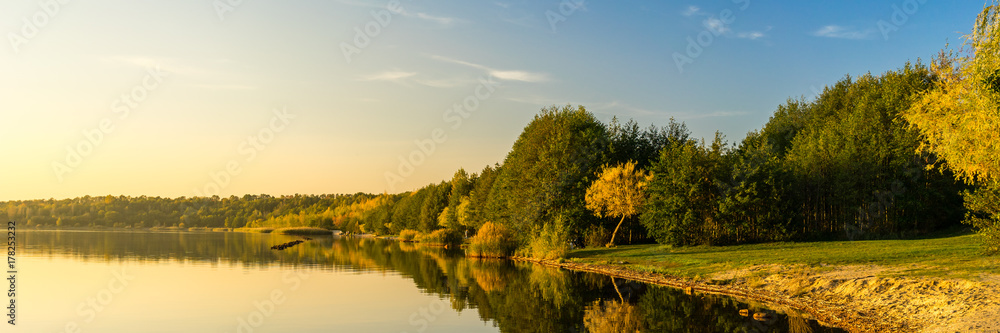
(439,19)
(446,83)
(719,27)
(169,65)
(715,25)
(836,31)
(392,76)
(509,75)
(226,87)
(751,35)
(442,20)
(691,11)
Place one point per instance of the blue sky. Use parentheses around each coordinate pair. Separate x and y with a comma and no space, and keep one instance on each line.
(258,96)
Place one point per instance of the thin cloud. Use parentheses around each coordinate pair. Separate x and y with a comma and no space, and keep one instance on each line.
(168,65)
(509,75)
(226,87)
(836,31)
(715,25)
(392,76)
(445,83)
(691,11)
(439,19)
(442,20)
(751,35)
(719,27)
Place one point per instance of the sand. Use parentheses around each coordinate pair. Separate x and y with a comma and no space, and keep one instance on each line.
(856,298)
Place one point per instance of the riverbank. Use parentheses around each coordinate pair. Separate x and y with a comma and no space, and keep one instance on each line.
(928,285)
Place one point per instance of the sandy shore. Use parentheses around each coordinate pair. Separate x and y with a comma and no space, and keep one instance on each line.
(855,298)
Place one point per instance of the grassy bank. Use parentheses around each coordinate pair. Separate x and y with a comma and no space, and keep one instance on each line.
(952,256)
(935,284)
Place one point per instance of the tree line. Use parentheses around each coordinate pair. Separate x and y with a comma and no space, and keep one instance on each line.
(904,153)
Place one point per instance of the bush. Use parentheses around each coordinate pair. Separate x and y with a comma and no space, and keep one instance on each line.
(408,235)
(984,215)
(552,242)
(446,237)
(596,236)
(492,241)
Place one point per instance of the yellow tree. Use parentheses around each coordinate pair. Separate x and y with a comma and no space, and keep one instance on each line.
(619,191)
(960,120)
(959,117)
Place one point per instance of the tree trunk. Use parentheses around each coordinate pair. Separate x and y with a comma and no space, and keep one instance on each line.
(612,242)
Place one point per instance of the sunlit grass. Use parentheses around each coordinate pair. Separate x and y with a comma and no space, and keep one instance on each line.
(957,256)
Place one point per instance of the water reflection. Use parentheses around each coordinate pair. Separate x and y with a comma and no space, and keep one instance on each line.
(510,296)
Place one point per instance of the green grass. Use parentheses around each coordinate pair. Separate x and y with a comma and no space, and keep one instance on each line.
(302,231)
(954,256)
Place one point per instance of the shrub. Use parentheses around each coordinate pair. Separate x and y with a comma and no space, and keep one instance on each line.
(984,215)
(552,242)
(492,241)
(446,237)
(596,236)
(408,235)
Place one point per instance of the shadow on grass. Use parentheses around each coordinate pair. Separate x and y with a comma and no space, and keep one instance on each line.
(602,251)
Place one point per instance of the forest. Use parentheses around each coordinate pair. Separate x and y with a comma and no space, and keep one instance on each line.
(896,155)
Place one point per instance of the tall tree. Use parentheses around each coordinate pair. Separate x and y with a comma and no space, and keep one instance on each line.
(683,204)
(548,170)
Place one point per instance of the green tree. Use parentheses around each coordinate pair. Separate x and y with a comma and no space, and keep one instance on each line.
(683,203)
(474,214)
(461,185)
(619,191)
(548,170)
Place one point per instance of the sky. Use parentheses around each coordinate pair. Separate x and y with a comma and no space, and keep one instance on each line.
(233,97)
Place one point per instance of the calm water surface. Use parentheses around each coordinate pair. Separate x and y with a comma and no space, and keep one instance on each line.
(109,281)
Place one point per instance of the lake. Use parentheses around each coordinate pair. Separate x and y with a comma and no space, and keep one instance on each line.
(122,281)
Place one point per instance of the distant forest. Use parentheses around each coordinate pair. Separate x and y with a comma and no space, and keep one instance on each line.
(896,155)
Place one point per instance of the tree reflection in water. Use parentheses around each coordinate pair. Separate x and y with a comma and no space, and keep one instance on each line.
(513,296)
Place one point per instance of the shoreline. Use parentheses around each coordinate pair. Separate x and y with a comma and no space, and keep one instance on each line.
(848,297)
